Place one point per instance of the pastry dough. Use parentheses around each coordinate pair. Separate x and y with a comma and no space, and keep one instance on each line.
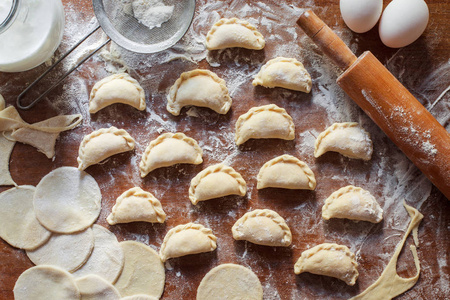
(170,149)
(136,205)
(2,103)
(230,281)
(187,239)
(143,272)
(352,203)
(117,88)
(6,147)
(262,227)
(94,287)
(330,260)
(230,33)
(348,139)
(18,224)
(216,181)
(46,282)
(284,72)
(287,172)
(101,144)
(139,297)
(264,122)
(199,88)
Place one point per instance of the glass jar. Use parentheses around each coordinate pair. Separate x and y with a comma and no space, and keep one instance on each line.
(30,32)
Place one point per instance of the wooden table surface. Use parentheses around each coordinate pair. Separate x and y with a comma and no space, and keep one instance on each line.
(422,67)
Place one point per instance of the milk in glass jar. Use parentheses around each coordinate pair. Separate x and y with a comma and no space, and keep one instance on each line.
(30,32)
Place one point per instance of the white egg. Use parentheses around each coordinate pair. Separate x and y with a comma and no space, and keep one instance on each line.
(361,15)
(403,22)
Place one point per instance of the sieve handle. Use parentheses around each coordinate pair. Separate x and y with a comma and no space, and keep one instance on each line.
(19,98)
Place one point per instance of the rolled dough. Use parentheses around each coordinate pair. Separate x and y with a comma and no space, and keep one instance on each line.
(6,147)
(93,287)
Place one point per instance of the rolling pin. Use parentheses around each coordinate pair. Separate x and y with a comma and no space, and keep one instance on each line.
(388,103)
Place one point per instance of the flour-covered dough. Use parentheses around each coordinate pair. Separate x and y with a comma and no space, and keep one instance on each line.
(6,147)
(94,287)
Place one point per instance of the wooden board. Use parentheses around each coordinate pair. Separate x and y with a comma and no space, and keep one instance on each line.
(422,67)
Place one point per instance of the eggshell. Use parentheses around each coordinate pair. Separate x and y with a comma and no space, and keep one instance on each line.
(403,22)
(361,15)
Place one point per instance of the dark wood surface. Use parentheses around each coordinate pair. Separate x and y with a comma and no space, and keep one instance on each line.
(422,67)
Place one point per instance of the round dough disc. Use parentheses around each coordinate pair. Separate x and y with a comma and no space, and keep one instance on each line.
(46,282)
(139,297)
(67,251)
(67,200)
(18,224)
(106,259)
(143,271)
(93,287)
(230,281)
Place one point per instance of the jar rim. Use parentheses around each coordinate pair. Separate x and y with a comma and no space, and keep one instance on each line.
(6,23)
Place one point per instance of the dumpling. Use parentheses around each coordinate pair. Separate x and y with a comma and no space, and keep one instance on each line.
(283,72)
(170,149)
(117,88)
(187,239)
(262,227)
(200,88)
(136,205)
(264,122)
(230,33)
(216,181)
(348,139)
(352,203)
(330,260)
(102,144)
(286,172)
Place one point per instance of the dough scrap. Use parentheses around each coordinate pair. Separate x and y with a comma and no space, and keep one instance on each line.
(187,239)
(101,144)
(389,285)
(330,260)
(46,282)
(139,297)
(136,205)
(199,88)
(94,287)
(284,72)
(348,139)
(286,172)
(216,181)
(230,281)
(6,147)
(143,271)
(117,88)
(2,103)
(18,224)
(264,122)
(67,200)
(262,227)
(106,259)
(67,251)
(352,203)
(230,33)
(170,149)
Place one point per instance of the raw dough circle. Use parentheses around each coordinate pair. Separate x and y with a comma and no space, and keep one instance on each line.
(143,271)
(67,200)
(46,282)
(230,281)
(106,259)
(18,224)
(139,297)
(67,251)
(93,287)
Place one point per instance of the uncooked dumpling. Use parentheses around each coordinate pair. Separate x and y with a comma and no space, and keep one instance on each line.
(262,227)
(216,181)
(136,205)
(170,149)
(286,172)
(199,88)
(117,88)
(230,33)
(264,122)
(187,239)
(352,203)
(284,72)
(348,139)
(330,260)
(101,144)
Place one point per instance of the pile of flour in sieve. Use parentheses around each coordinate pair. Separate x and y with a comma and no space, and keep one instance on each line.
(151,13)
